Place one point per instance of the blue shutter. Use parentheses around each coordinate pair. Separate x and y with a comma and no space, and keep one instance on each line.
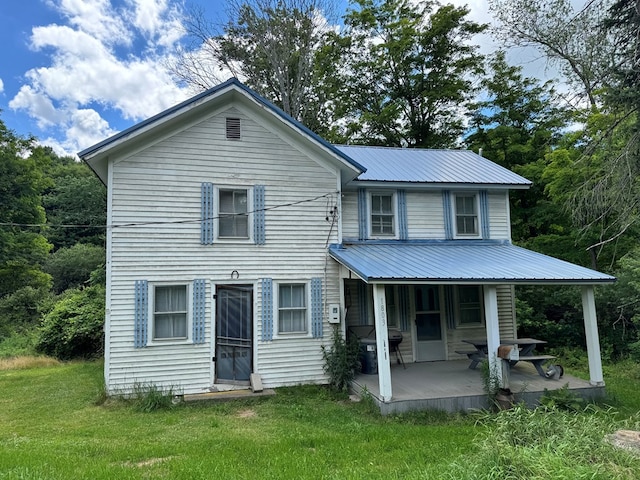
(484,214)
(259,234)
(316,307)
(362,214)
(449,305)
(207,213)
(140,313)
(402,215)
(448,214)
(362,303)
(403,307)
(267,309)
(199,308)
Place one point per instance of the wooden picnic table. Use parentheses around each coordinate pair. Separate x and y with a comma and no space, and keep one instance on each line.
(526,347)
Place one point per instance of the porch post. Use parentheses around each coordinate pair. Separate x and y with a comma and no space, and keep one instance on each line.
(382,342)
(493,331)
(591,333)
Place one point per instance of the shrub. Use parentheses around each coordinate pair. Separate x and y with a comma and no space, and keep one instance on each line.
(74,328)
(341,360)
(23,309)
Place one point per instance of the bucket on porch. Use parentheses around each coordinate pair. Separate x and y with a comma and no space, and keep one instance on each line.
(368,356)
(505,399)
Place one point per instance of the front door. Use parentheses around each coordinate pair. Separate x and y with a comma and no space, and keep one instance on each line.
(234,346)
(430,343)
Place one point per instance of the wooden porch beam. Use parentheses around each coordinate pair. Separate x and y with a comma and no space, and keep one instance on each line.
(382,342)
(591,333)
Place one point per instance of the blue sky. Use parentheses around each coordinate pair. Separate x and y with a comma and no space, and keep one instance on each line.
(73,72)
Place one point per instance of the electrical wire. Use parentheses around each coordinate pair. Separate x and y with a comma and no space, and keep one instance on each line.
(164,222)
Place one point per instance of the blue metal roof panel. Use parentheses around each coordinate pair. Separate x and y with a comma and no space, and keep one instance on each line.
(460,261)
(429,166)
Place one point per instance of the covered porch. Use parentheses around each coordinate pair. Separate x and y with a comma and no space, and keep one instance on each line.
(452,387)
(488,264)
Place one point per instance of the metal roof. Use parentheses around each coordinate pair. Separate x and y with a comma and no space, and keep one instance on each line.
(384,164)
(459,261)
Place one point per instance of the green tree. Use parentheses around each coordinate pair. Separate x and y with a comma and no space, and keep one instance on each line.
(516,124)
(71,267)
(23,248)
(270,44)
(569,38)
(75,203)
(403,73)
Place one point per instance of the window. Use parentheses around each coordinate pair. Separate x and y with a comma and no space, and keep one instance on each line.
(233,217)
(382,218)
(470,309)
(170,312)
(391,300)
(466,215)
(292,308)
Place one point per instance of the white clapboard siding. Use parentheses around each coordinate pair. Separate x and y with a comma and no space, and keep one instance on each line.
(425,215)
(162,184)
(350,215)
(500,228)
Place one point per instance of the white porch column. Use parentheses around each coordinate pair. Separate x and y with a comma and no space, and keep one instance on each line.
(382,342)
(493,331)
(591,332)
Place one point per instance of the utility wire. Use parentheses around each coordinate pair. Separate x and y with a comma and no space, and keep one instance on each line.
(165,222)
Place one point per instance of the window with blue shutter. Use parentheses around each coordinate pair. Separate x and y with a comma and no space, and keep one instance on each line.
(403,228)
(259,233)
(199,310)
(267,309)
(140,313)
(484,214)
(362,214)
(448,214)
(207,213)
(316,307)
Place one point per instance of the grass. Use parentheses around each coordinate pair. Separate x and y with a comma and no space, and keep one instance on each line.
(52,426)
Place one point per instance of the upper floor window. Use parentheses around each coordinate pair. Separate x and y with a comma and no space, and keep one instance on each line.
(233,216)
(466,214)
(382,214)
(170,311)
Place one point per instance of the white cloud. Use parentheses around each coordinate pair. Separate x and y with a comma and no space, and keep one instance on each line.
(1,86)
(94,67)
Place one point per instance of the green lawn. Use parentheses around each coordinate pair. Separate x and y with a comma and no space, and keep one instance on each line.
(51,428)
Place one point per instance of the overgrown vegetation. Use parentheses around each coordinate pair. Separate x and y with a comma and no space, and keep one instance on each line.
(341,362)
(55,424)
(548,443)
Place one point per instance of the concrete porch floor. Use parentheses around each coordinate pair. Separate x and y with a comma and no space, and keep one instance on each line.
(451,386)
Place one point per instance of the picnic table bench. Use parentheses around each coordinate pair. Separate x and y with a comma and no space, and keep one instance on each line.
(526,348)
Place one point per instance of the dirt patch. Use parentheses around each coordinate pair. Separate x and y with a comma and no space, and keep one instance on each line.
(150,462)
(247,413)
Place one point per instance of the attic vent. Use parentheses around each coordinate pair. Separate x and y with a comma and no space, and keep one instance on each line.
(233,128)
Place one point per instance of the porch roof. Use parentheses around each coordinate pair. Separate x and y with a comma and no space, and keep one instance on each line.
(459,261)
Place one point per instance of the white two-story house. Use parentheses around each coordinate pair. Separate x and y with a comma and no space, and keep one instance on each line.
(238,239)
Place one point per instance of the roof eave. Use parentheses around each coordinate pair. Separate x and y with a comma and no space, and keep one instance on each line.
(441,185)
